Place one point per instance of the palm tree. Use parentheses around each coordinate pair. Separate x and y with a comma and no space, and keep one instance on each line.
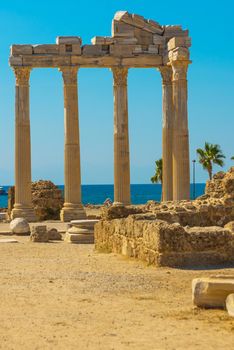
(209,156)
(158,172)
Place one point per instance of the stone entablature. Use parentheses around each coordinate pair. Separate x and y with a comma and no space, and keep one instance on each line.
(135,42)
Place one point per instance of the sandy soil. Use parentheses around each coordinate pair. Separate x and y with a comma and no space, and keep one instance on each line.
(63,296)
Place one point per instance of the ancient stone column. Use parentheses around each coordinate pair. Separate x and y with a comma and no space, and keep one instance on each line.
(72,209)
(167,128)
(121,138)
(181,168)
(23,198)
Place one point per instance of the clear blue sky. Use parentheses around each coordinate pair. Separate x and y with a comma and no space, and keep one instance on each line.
(211,86)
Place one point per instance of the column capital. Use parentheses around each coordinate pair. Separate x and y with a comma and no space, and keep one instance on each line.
(69,75)
(180,69)
(120,75)
(166,74)
(22,75)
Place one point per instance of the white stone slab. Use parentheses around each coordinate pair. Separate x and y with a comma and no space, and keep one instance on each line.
(8,240)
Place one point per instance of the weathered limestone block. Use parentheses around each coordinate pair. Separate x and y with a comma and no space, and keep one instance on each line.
(158,39)
(179,42)
(230,304)
(143,37)
(20,226)
(179,54)
(46,49)
(21,50)
(102,40)
(174,30)
(93,50)
(54,235)
(39,234)
(154,49)
(125,41)
(68,40)
(122,50)
(122,30)
(212,292)
(70,49)
(119,211)
(16,61)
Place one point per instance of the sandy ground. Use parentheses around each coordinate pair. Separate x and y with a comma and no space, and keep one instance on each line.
(64,296)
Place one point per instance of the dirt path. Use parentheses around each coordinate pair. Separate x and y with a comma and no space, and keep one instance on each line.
(62,296)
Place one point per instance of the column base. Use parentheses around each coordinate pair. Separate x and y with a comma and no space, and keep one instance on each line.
(72,212)
(27,213)
(75,237)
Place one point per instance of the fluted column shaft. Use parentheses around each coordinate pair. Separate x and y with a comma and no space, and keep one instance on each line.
(167,133)
(181,169)
(73,208)
(23,197)
(121,137)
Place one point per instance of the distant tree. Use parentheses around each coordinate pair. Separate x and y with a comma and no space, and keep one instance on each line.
(210,155)
(157,178)
(232,158)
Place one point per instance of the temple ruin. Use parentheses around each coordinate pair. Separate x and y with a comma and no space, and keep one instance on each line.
(135,43)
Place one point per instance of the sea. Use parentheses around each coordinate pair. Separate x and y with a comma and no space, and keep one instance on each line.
(140,194)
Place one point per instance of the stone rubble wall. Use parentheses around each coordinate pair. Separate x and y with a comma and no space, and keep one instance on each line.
(179,233)
(163,244)
(47,200)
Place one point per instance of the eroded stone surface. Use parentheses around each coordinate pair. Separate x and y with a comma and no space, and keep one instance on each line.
(20,226)
(39,234)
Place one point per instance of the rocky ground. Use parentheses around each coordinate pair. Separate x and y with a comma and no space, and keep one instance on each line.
(63,296)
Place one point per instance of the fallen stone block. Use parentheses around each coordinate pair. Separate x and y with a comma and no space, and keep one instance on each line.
(39,234)
(178,42)
(212,292)
(20,226)
(230,304)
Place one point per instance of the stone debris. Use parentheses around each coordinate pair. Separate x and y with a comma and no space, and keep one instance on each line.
(54,235)
(39,234)
(20,226)
(212,292)
(230,304)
